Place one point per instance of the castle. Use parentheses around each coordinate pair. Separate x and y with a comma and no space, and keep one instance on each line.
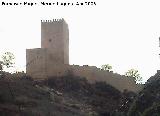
(52,59)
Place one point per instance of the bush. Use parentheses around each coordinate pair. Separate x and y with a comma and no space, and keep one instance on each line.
(152,111)
(133,111)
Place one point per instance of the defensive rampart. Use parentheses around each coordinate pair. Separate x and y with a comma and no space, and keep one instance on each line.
(41,66)
(94,74)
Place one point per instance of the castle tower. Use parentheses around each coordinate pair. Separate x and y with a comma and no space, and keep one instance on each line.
(52,59)
(55,37)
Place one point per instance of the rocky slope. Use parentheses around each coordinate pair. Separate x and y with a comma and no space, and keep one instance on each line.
(61,96)
(147,102)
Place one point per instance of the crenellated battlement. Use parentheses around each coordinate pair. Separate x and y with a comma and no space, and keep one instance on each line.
(52,21)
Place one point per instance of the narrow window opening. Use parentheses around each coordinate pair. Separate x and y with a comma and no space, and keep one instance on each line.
(50,40)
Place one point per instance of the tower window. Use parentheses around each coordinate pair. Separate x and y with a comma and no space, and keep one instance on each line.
(50,40)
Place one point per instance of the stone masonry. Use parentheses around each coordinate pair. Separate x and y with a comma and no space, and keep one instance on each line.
(52,59)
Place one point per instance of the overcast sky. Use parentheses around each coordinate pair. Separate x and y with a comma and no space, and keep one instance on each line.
(122,33)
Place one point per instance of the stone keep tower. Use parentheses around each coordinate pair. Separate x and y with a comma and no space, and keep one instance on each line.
(55,37)
(53,56)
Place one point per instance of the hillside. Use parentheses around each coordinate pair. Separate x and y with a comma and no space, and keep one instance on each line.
(61,96)
(147,102)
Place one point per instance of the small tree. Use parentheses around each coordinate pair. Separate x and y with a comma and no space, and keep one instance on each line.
(7,60)
(106,67)
(135,74)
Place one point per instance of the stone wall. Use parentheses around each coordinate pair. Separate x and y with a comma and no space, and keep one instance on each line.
(66,42)
(40,66)
(55,37)
(36,62)
(94,74)
(41,63)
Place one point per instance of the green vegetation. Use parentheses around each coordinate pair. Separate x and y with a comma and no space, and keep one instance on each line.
(106,67)
(147,102)
(135,74)
(61,96)
(7,60)
(152,111)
